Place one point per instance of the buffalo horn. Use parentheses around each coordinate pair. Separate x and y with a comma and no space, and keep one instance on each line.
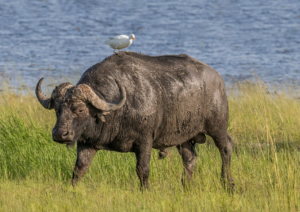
(90,96)
(43,99)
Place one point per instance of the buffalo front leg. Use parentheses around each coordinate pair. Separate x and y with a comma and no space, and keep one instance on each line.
(143,156)
(85,155)
(189,156)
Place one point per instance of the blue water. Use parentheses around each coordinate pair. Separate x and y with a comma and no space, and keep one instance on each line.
(61,38)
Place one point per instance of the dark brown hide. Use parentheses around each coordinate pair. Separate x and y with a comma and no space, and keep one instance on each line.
(170,101)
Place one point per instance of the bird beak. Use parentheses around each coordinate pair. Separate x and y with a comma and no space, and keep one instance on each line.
(133,38)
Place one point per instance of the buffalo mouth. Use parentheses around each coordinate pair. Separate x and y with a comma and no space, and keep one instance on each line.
(65,142)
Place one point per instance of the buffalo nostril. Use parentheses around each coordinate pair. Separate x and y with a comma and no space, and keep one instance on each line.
(65,134)
(54,131)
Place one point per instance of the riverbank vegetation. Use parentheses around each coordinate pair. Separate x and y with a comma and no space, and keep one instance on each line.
(35,172)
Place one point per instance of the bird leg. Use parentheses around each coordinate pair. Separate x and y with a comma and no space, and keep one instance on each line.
(118,53)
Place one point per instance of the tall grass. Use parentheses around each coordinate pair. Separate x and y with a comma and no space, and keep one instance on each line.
(35,172)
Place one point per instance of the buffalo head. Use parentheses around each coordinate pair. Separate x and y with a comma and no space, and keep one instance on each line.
(75,108)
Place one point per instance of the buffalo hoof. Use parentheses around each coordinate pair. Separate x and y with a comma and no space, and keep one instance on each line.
(228,186)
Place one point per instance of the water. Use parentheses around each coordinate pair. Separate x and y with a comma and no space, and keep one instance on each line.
(62,38)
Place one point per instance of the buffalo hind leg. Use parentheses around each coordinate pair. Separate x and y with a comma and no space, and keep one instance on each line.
(189,156)
(225,146)
(143,156)
(85,155)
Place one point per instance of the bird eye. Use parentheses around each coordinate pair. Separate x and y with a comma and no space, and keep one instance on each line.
(80,111)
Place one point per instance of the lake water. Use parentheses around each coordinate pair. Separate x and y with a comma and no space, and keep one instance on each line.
(60,39)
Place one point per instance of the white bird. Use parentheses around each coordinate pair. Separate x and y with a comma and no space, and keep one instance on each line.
(120,42)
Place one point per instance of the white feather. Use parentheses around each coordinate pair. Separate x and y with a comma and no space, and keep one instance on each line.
(120,41)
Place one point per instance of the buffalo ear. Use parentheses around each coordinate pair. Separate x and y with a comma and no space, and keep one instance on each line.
(102,118)
(102,115)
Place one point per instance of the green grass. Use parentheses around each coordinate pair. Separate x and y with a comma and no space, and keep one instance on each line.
(35,172)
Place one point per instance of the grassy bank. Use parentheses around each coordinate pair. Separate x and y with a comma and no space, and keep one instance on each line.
(35,172)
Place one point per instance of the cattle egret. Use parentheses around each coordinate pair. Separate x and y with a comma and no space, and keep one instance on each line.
(120,42)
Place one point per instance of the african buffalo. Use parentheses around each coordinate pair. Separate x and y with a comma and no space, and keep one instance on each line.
(133,102)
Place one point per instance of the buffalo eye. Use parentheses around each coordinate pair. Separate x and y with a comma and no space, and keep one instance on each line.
(77,110)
